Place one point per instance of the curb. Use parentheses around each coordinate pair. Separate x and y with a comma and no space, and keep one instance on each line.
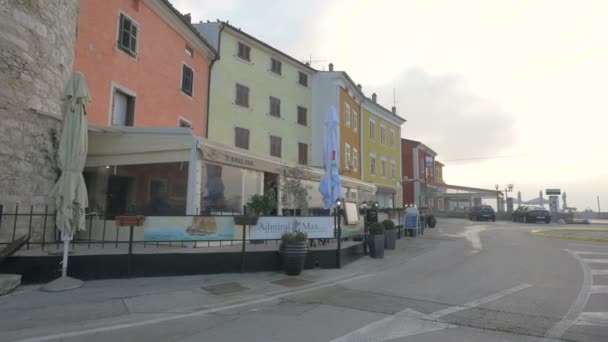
(548,233)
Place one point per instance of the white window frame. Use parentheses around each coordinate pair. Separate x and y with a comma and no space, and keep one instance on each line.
(346,114)
(347,156)
(355,160)
(383,166)
(393,169)
(372,132)
(383,134)
(355,121)
(116,86)
(119,33)
(180,119)
(391,137)
(181,79)
(372,164)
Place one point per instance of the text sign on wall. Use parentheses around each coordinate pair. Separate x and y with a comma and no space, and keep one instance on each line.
(316,227)
(553,191)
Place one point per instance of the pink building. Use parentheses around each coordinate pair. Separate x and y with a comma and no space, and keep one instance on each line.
(144,63)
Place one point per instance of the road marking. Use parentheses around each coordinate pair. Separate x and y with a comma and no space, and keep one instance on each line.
(591,253)
(596,261)
(599,289)
(172,317)
(409,322)
(478,302)
(576,308)
(599,272)
(592,318)
(552,234)
(472,235)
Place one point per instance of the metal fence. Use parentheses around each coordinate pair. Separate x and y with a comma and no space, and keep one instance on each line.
(39,225)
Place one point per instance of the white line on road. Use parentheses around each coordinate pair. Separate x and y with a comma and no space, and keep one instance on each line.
(409,322)
(599,272)
(596,261)
(576,308)
(593,318)
(599,289)
(478,302)
(172,317)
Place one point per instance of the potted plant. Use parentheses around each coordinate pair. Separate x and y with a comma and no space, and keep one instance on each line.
(258,205)
(390,234)
(376,240)
(294,249)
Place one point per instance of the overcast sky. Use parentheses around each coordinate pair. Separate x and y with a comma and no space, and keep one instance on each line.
(473,78)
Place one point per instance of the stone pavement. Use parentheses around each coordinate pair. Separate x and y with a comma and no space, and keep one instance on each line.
(28,312)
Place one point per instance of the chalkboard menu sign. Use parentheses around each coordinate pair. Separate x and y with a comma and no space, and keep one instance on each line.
(371,216)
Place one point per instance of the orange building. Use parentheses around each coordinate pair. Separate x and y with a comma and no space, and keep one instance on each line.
(144,64)
(350,110)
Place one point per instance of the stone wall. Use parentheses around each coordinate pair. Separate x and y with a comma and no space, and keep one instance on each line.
(36,57)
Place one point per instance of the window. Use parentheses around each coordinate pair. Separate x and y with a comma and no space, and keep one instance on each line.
(372,164)
(382,135)
(347,114)
(275,107)
(391,137)
(302,116)
(355,121)
(393,169)
(183,123)
(303,153)
(123,109)
(241,138)
(244,52)
(187,79)
(127,35)
(242,95)
(372,129)
(355,160)
(383,167)
(275,66)
(275,146)
(303,79)
(189,50)
(347,156)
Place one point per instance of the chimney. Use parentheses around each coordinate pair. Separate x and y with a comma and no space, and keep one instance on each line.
(374,97)
(331,66)
(360,87)
(188,18)
(394,110)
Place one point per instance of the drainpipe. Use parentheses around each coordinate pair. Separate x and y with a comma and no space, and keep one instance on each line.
(217,57)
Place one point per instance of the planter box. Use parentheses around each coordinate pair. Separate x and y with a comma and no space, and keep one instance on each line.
(294,257)
(389,238)
(376,246)
(246,220)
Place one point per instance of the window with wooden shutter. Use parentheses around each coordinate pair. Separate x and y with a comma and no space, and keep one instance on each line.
(303,153)
(241,138)
(302,116)
(242,95)
(127,35)
(275,107)
(275,146)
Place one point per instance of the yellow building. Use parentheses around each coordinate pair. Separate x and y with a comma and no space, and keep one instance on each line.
(381,151)
(336,89)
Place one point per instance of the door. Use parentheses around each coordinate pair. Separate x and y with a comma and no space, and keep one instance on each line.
(117,196)
(120,105)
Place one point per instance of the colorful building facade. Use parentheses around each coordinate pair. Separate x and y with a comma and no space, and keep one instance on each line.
(381,151)
(336,89)
(144,64)
(418,163)
(261,98)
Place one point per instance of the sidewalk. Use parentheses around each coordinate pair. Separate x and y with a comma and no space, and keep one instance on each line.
(29,312)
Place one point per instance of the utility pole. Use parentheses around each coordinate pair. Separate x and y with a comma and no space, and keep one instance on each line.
(598,204)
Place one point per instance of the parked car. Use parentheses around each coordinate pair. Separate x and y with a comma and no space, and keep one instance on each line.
(482,212)
(531,213)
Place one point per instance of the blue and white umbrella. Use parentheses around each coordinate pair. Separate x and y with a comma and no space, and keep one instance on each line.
(330,186)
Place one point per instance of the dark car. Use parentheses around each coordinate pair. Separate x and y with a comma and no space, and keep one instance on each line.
(531,213)
(482,212)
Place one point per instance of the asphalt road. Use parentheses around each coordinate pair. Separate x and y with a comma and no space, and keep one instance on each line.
(469,281)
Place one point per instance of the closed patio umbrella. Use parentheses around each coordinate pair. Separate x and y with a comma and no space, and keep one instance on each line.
(330,186)
(70,192)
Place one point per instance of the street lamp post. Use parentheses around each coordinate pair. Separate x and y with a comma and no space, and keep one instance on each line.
(339,233)
(508,188)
